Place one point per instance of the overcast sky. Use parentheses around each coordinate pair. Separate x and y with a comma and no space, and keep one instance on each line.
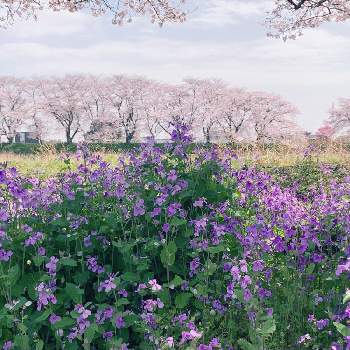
(222,38)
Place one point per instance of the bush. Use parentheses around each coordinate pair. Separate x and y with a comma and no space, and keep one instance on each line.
(171,250)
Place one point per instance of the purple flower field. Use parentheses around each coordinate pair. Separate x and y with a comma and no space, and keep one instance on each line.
(174,248)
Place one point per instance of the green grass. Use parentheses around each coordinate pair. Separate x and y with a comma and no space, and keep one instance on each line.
(48,160)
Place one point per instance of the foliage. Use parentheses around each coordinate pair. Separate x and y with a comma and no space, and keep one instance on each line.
(172,248)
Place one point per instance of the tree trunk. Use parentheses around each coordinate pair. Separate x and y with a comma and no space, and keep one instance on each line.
(128,138)
(69,138)
(206,132)
(11,139)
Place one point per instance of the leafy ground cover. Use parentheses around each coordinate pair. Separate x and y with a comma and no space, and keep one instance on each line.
(174,247)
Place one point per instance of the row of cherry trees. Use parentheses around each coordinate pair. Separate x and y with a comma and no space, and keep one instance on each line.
(128,108)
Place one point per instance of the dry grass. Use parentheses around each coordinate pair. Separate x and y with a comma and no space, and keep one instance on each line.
(48,162)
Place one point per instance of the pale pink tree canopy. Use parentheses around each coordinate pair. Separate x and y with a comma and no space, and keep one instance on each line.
(289,18)
(14,109)
(339,116)
(63,99)
(205,101)
(127,108)
(177,107)
(326,130)
(124,97)
(159,11)
(236,113)
(152,106)
(272,117)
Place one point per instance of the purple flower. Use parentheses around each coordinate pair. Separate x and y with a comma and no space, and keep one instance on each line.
(322,324)
(93,265)
(247,295)
(200,202)
(54,318)
(119,322)
(189,336)
(33,239)
(139,208)
(246,281)
(5,255)
(104,315)
(123,293)
(7,345)
(166,228)
(52,265)
(304,338)
(172,176)
(170,342)
(108,284)
(194,264)
(258,266)
(107,335)
(182,318)
(154,285)
(41,251)
(45,295)
(343,268)
(215,343)
(155,212)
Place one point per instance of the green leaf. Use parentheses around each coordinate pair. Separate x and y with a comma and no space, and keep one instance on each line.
(43,316)
(268,327)
(74,293)
(14,274)
(66,322)
(89,334)
(168,254)
(130,277)
(211,268)
(38,260)
(182,300)
(216,249)
(175,221)
(346,297)
(310,269)
(342,329)
(22,342)
(68,262)
(245,345)
(177,281)
(39,345)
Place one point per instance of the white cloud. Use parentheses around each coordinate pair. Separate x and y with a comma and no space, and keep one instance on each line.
(223,12)
(49,23)
(311,71)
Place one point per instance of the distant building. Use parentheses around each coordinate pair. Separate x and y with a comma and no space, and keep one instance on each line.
(26,137)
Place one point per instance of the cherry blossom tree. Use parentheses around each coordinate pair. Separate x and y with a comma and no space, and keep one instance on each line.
(205,102)
(178,108)
(339,116)
(123,96)
(326,131)
(289,18)
(159,11)
(272,117)
(152,105)
(236,113)
(13,106)
(93,100)
(36,119)
(63,99)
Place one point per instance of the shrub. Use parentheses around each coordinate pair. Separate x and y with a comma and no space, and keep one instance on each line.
(171,249)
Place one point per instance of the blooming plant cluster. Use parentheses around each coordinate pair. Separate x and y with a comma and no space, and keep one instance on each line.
(172,248)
